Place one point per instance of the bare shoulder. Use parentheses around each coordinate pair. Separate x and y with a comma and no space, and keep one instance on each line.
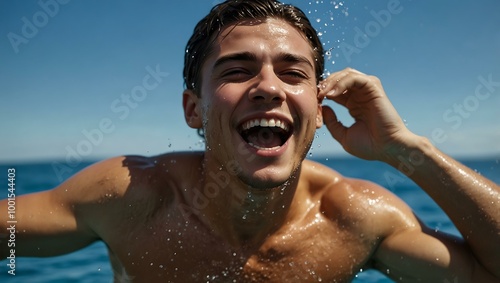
(115,177)
(359,204)
(100,173)
(125,187)
(107,179)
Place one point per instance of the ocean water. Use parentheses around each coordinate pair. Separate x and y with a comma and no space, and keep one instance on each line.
(91,263)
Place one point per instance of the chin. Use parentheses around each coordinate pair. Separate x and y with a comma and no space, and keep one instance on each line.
(269,177)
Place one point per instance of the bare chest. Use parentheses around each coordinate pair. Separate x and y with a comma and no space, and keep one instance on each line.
(300,252)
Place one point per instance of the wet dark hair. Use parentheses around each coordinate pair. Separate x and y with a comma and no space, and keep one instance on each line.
(236,11)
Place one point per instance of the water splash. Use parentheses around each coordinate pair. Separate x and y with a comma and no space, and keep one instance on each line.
(326,14)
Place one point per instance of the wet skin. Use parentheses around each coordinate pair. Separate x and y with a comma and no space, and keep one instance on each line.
(249,208)
(146,213)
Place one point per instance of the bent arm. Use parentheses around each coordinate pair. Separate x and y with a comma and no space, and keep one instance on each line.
(424,255)
(471,201)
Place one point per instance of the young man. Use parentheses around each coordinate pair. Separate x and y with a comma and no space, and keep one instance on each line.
(250,208)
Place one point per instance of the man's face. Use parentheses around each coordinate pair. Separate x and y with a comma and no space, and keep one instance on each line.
(258,103)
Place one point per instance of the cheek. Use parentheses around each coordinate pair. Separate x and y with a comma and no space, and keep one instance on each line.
(218,107)
(294,90)
(222,96)
(309,110)
(305,94)
(307,103)
(227,95)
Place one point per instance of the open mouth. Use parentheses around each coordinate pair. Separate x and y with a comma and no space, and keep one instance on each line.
(265,134)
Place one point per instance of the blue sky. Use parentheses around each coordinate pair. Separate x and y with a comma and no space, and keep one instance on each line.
(66,66)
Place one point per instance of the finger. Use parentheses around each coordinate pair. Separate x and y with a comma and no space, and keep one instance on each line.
(333,125)
(327,85)
(337,84)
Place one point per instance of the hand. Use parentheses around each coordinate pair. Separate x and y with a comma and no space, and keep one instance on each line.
(377,129)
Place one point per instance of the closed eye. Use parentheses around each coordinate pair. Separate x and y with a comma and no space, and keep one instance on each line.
(236,71)
(236,74)
(293,77)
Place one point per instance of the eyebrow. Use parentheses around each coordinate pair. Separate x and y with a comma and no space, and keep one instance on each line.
(243,56)
(294,58)
(250,57)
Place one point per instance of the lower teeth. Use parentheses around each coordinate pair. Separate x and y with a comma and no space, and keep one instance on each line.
(264,148)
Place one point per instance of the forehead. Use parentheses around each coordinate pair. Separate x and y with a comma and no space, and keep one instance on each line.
(264,36)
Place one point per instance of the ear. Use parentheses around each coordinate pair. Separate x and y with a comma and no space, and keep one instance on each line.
(319,117)
(191,103)
(319,113)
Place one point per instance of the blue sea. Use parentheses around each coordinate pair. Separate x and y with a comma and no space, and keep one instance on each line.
(91,263)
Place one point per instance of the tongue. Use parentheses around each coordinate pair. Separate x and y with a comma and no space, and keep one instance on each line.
(264,137)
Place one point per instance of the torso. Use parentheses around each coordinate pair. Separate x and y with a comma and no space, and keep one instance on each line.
(152,239)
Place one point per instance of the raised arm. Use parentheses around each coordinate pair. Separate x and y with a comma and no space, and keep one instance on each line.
(470,200)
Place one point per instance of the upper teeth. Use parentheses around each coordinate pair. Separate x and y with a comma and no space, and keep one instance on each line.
(265,123)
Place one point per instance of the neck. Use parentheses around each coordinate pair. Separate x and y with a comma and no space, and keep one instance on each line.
(242,215)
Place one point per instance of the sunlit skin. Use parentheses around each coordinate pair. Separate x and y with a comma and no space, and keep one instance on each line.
(250,208)
(257,70)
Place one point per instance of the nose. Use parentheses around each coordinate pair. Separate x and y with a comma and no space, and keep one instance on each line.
(268,88)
